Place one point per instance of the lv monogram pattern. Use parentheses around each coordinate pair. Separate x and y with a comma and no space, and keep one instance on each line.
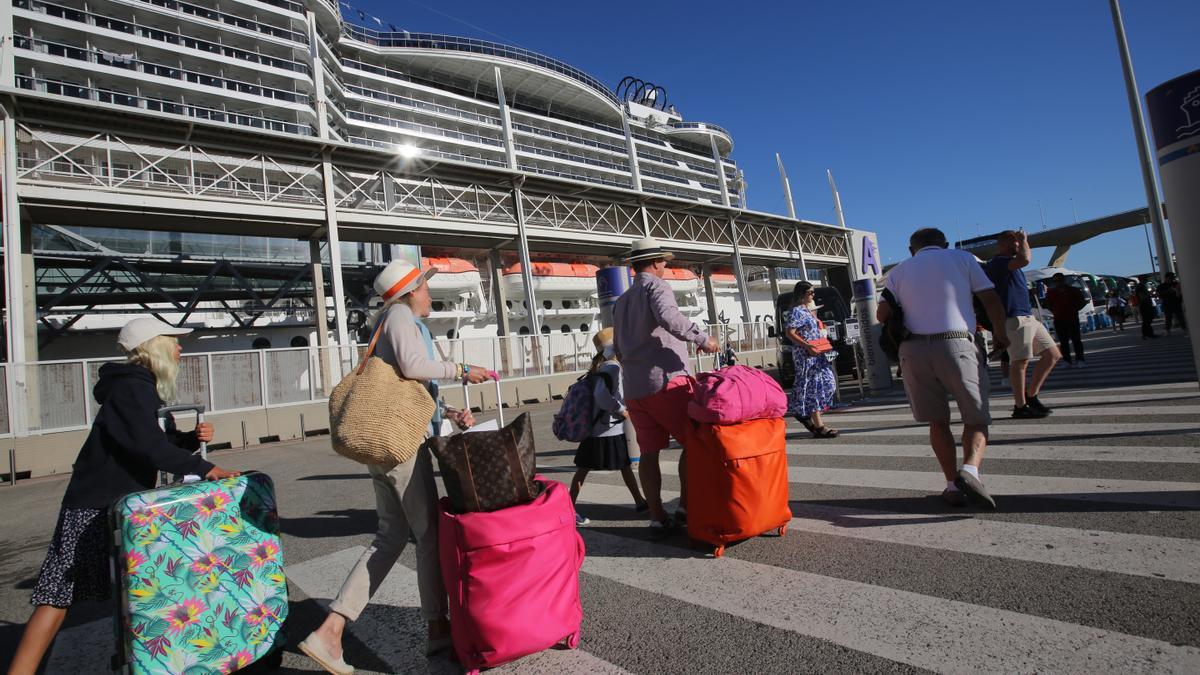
(489,470)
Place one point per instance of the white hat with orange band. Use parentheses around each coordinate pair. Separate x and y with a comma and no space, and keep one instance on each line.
(401,277)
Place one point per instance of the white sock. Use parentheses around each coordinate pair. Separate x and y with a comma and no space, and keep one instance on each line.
(951,486)
(973,470)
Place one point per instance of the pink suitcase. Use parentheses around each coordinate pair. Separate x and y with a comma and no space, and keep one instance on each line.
(512,577)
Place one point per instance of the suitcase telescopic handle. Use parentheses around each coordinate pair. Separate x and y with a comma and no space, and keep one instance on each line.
(499,401)
(197,408)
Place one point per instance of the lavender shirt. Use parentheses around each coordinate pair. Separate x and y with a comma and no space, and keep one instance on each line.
(651,335)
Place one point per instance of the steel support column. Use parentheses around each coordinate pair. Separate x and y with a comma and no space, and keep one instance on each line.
(535,324)
(739,272)
(773,272)
(800,256)
(320,314)
(335,249)
(631,148)
(510,151)
(500,307)
(709,296)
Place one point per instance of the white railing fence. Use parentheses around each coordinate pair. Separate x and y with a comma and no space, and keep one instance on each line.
(51,396)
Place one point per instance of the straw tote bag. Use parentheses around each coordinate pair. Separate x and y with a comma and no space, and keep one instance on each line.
(375,415)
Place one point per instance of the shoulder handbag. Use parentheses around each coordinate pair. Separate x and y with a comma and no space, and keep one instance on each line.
(821,345)
(376,416)
(489,470)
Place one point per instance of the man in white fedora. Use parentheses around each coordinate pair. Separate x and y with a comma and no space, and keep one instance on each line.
(651,336)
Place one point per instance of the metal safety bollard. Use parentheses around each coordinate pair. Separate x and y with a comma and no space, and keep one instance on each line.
(12,466)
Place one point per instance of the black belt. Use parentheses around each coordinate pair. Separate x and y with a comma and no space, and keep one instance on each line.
(948,335)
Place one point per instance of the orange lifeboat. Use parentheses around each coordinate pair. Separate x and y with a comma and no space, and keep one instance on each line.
(554,269)
(449,265)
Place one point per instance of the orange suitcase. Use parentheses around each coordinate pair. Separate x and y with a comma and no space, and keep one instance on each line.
(737,481)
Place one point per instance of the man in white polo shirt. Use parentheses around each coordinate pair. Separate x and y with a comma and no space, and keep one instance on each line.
(933,289)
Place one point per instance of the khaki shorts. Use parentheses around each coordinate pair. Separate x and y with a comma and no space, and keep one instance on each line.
(936,369)
(1027,337)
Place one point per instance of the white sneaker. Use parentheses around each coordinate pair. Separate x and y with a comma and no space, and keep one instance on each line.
(581,520)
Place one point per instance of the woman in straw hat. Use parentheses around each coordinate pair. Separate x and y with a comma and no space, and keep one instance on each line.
(405,495)
(123,453)
(606,449)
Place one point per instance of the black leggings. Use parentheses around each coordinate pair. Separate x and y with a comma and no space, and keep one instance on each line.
(1175,314)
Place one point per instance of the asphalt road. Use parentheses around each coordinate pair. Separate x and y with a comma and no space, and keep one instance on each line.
(1089,565)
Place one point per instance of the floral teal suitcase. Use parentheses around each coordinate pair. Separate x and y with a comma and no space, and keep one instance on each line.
(198,577)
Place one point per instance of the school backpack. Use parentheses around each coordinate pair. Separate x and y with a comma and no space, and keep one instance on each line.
(575,419)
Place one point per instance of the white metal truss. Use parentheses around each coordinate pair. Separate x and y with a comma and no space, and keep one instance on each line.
(124,165)
(582,214)
(688,227)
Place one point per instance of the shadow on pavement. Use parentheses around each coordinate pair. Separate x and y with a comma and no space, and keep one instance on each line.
(345,522)
(1099,502)
(338,476)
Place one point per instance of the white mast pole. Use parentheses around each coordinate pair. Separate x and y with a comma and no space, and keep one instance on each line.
(787,187)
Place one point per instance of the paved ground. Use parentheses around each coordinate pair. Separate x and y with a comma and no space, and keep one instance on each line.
(1090,564)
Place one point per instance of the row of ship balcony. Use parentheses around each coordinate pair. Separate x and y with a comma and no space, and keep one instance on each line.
(154,104)
(127,62)
(159,35)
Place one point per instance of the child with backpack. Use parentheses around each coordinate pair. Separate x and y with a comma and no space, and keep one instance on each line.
(605,448)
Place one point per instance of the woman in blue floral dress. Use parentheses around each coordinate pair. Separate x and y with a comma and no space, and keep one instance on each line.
(812,392)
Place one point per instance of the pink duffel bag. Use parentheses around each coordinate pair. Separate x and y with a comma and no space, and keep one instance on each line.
(512,577)
(736,394)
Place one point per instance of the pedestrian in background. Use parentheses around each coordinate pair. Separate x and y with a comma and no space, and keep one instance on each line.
(1171,296)
(1145,306)
(606,449)
(123,453)
(1027,337)
(815,381)
(405,494)
(940,358)
(650,337)
(1065,301)
(1117,310)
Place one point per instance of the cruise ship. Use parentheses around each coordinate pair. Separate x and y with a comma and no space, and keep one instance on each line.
(241,122)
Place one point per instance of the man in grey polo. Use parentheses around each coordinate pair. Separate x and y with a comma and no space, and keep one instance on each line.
(651,339)
(933,289)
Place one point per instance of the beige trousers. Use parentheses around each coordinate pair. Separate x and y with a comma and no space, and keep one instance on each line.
(406,500)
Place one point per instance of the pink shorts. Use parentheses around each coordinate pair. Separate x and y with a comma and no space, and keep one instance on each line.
(658,417)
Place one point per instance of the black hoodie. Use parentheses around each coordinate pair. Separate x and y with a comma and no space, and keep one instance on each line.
(126,448)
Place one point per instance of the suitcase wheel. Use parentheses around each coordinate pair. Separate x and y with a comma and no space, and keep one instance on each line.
(573,640)
(719,551)
(782,530)
(274,660)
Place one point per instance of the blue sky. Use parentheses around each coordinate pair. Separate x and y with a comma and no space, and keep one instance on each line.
(960,115)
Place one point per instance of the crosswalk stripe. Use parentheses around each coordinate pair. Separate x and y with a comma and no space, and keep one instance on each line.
(401,644)
(1034,429)
(1118,414)
(1086,549)
(927,632)
(1155,493)
(1075,453)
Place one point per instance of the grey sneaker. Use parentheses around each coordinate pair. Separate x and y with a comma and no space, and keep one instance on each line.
(973,489)
(954,497)
(581,520)
(659,529)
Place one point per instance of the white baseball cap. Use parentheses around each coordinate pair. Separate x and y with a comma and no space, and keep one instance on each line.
(400,277)
(134,333)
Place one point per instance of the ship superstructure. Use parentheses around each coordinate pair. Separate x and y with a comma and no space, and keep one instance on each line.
(280,119)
